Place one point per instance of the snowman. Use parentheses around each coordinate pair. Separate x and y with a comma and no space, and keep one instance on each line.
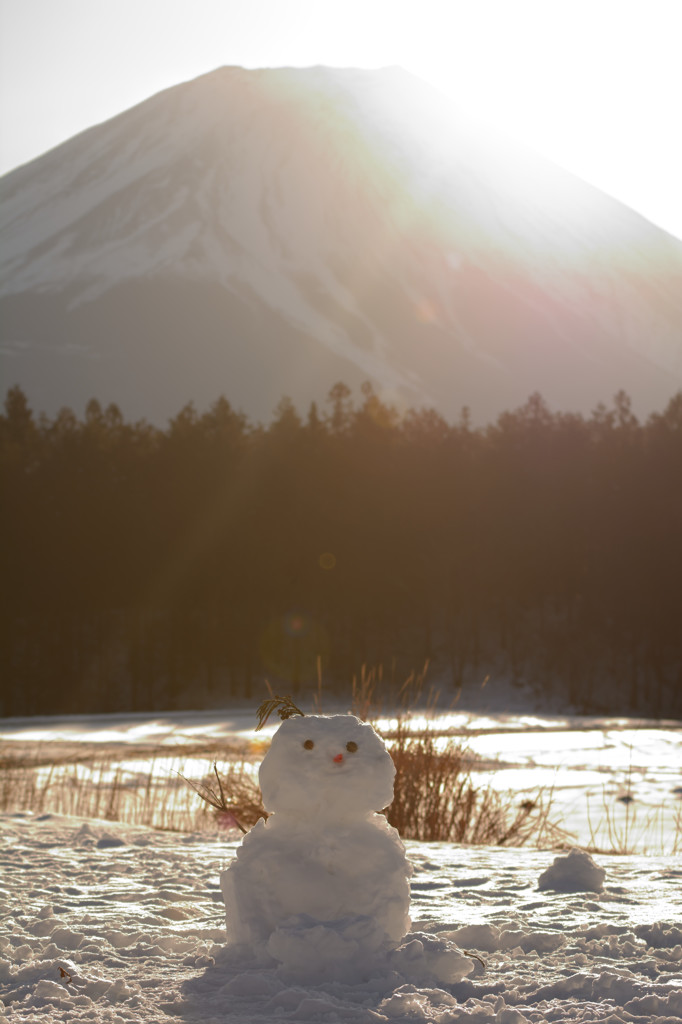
(322,887)
(325,871)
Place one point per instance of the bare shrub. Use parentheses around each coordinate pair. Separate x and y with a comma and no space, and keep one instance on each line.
(149,792)
(435,799)
(233,796)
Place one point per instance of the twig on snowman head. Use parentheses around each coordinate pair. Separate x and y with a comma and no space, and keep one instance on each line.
(284,706)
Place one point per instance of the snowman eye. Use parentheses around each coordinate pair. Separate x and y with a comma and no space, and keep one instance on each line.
(351,747)
(308,744)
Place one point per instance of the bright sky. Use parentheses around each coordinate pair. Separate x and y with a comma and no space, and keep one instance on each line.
(596,85)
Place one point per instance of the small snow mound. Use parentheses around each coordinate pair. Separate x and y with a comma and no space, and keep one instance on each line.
(508,1015)
(541,942)
(660,935)
(669,1004)
(84,834)
(484,937)
(574,872)
(425,958)
(408,1003)
(108,841)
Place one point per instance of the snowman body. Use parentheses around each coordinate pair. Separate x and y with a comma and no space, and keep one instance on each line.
(325,869)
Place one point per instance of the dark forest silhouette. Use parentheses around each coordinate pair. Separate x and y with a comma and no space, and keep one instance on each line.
(154,569)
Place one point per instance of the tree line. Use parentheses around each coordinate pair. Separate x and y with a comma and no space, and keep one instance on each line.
(146,568)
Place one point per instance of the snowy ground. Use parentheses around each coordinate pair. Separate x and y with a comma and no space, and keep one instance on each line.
(105,922)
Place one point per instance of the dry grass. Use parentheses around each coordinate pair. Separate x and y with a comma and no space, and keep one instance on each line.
(371,690)
(436,801)
(146,790)
(622,828)
(435,797)
(234,796)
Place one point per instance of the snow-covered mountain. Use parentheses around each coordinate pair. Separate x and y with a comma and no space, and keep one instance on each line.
(269,232)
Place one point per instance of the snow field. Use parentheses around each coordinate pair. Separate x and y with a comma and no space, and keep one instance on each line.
(587,765)
(135,920)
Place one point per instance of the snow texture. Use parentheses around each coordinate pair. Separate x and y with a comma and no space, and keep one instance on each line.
(575,872)
(133,934)
(322,887)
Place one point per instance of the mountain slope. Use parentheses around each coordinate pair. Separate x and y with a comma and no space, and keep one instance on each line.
(255,233)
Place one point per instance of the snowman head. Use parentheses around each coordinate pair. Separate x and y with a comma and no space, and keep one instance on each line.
(326,766)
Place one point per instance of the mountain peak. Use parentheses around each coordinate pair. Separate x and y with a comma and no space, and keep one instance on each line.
(275,230)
